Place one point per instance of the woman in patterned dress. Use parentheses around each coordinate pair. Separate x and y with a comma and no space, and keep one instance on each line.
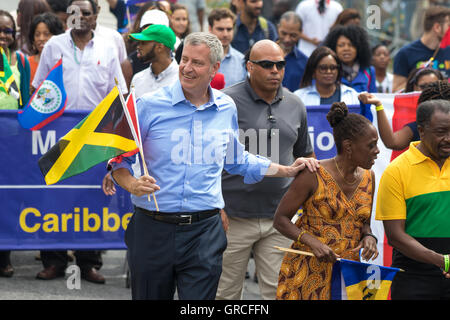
(337,204)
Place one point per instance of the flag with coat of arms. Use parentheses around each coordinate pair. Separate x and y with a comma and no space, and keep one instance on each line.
(48,101)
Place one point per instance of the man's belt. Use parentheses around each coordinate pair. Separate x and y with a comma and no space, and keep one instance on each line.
(180,218)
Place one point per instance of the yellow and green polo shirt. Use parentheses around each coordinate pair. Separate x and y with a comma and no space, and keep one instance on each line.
(413,188)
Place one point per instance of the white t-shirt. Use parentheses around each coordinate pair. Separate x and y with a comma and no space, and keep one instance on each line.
(316,25)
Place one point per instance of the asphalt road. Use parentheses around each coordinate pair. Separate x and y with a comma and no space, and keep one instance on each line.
(24,285)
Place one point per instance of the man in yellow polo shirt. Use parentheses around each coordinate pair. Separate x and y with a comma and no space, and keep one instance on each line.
(414,203)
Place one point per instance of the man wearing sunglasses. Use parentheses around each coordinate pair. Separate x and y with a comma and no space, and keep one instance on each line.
(272,122)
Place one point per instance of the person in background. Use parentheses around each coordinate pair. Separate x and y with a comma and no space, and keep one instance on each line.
(418,53)
(351,45)
(21,71)
(400,139)
(419,78)
(347,17)
(179,20)
(26,11)
(221,23)
(59,8)
(321,83)
(317,16)
(289,30)
(413,201)
(133,64)
(380,61)
(335,199)
(251,26)
(42,28)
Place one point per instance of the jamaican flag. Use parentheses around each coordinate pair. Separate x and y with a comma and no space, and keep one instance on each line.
(102,135)
(7,82)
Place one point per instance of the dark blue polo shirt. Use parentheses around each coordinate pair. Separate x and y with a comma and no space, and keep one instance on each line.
(242,40)
(295,67)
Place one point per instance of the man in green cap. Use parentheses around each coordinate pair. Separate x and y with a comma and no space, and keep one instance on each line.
(156,43)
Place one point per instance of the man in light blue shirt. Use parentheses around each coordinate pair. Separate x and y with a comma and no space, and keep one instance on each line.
(190,134)
(221,23)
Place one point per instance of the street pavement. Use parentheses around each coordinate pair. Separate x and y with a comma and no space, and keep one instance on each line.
(24,285)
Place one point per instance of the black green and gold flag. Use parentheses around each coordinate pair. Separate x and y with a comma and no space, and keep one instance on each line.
(7,82)
(102,135)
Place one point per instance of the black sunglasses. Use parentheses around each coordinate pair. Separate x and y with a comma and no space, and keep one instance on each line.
(267,64)
(7,31)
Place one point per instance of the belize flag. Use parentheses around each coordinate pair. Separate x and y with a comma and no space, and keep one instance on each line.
(48,101)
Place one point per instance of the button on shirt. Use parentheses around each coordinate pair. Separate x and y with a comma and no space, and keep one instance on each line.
(146,81)
(232,67)
(187,147)
(88,74)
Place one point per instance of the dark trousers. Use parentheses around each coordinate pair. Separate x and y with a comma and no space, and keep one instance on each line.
(419,287)
(164,256)
(5,258)
(86,259)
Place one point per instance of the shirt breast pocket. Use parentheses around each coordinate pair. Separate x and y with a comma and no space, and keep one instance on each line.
(100,75)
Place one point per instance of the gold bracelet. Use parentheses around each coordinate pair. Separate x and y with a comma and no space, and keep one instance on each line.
(379,108)
(300,235)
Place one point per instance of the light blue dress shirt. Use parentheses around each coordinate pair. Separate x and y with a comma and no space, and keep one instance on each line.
(187,147)
(232,67)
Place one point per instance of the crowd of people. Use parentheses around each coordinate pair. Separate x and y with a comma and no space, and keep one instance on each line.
(245,72)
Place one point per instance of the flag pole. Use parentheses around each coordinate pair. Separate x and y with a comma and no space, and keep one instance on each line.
(138,142)
(305,253)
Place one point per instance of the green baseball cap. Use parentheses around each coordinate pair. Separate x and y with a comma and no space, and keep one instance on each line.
(158,33)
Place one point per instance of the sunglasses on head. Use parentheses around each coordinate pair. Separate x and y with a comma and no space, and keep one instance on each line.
(267,64)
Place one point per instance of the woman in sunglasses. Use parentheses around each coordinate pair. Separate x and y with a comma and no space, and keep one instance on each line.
(18,63)
(418,79)
(320,84)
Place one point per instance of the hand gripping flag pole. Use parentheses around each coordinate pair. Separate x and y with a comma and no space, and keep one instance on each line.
(133,121)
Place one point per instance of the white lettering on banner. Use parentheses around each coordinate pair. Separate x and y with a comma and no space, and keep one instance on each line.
(324,140)
(36,141)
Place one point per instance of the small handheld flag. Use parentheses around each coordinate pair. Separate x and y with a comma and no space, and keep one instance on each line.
(48,101)
(102,135)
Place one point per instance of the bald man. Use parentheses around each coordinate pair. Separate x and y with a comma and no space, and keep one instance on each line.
(272,122)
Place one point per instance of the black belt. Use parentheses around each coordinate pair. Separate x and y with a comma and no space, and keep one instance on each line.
(180,218)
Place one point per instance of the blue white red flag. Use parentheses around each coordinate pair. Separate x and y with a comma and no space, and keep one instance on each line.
(47,103)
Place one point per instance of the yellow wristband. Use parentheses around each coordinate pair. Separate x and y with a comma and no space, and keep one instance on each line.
(300,235)
(379,108)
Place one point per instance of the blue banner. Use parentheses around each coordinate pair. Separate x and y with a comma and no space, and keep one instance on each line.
(75,213)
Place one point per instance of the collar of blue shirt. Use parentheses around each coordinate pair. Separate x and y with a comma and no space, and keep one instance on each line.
(215,97)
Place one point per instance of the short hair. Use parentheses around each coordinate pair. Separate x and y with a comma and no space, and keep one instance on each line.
(208,39)
(52,22)
(415,75)
(345,16)
(345,125)
(434,14)
(357,36)
(291,16)
(426,109)
(92,2)
(13,45)
(219,14)
(311,65)
(435,91)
